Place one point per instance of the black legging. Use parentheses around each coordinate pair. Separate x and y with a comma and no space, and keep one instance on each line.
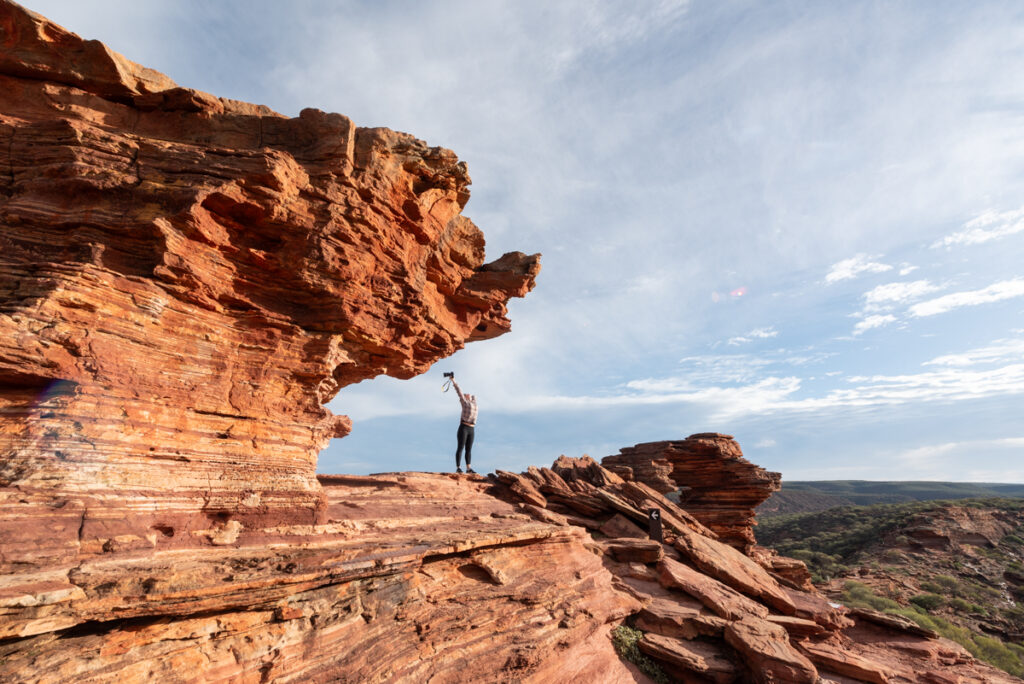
(465,437)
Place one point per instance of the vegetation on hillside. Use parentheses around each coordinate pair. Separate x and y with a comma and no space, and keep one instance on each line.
(865,556)
(799,497)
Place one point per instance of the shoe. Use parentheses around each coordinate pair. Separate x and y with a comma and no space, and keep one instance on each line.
(458,470)
(470,470)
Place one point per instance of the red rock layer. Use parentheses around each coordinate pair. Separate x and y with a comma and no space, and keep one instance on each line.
(411,577)
(714,614)
(718,486)
(186,280)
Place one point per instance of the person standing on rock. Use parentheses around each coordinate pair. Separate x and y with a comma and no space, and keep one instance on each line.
(467,426)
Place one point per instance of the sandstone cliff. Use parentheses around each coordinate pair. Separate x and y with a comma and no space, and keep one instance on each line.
(184,282)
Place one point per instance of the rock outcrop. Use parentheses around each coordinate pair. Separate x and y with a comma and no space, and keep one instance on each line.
(186,280)
(411,577)
(714,614)
(718,486)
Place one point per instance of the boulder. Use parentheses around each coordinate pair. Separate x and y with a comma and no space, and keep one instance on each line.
(765,649)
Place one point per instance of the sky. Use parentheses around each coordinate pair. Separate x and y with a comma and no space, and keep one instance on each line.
(798,223)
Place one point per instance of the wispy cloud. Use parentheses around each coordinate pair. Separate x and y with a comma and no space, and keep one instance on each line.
(887,296)
(755,334)
(1006,289)
(880,301)
(989,226)
(998,351)
(873,321)
(732,386)
(853,267)
(940,461)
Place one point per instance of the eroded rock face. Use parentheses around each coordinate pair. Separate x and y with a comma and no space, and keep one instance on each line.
(712,613)
(719,487)
(411,577)
(186,280)
(953,527)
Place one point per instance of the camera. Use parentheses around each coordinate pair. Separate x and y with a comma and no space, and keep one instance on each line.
(449,375)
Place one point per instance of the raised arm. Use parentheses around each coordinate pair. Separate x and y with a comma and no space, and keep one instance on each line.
(459,391)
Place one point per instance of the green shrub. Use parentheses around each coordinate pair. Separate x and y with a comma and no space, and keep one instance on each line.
(928,601)
(892,556)
(1007,657)
(997,653)
(961,606)
(859,595)
(916,614)
(932,587)
(624,639)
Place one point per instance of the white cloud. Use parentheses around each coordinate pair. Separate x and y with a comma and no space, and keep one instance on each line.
(989,226)
(755,334)
(873,321)
(937,461)
(907,269)
(998,351)
(944,385)
(886,296)
(772,395)
(854,266)
(1005,289)
(766,443)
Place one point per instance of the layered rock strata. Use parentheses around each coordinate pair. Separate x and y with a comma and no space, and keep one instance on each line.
(712,613)
(186,280)
(411,577)
(717,485)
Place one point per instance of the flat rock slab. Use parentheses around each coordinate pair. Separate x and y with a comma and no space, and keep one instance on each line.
(619,526)
(683,618)
(732,567)
(766,650)
(841,661)
(635,550)
(797,627)
(720,599)
(818,608)
(710,660)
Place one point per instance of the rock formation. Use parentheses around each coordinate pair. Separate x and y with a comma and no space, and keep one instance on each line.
(714,614)
(411,577)
(719,487)
(184,282)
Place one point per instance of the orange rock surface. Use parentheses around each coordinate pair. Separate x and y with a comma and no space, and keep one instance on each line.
(184,282)
(719,487)
(411,577)
(714,614)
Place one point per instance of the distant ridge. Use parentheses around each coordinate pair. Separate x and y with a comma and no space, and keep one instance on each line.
(817,495)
